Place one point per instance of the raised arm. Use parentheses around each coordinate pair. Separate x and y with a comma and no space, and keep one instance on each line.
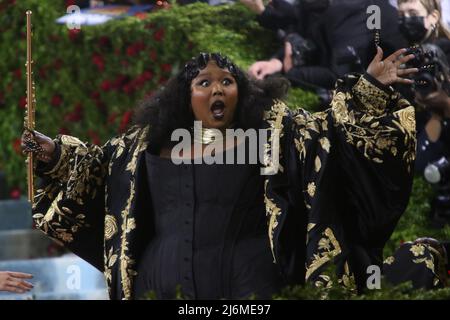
(356,163)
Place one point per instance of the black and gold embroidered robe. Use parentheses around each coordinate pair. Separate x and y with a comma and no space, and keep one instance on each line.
(343,182)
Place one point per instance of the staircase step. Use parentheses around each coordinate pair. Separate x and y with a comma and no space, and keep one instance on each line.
(67,277)
(24,244)
(15,214)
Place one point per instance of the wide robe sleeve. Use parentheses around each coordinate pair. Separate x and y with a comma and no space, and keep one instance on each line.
(355,172)
(70,202)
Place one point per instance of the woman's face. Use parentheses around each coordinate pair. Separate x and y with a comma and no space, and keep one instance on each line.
(414,8)
(214,96)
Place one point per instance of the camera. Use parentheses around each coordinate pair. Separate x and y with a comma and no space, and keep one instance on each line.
(303,50)
(433,67)
(438,174)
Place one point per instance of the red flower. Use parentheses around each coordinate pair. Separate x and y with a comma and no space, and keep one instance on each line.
(106,85)
(124,63)
(162,80)
(23,102)
(129,88)
(76,115)
(119,81)
(43,72)
(64,130)
(141,15)
(98,61)
(131,51)
(166,68)
(147,75)
(16,146)
(74,34)
(150,26)
(94,137)
(135,48)
(104,41)
(18,74)
(57,64)
(125,121)
(56,100)
(159,34)
(15,194)
(112,118)
(95,95)
(153,55)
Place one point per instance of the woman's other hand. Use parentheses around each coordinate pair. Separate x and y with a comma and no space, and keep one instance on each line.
(391,70)
(41,145)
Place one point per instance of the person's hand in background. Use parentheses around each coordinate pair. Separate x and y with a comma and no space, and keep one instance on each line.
(14,282)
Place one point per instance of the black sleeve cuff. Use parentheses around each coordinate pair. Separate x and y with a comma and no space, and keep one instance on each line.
(377,83)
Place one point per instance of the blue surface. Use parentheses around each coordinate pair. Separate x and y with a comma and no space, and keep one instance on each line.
(66,277)
(15,214)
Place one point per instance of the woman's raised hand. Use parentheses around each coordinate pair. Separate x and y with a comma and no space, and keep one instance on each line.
(41,145)
(391,70)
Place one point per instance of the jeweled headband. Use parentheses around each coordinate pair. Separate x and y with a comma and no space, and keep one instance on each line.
(193,67)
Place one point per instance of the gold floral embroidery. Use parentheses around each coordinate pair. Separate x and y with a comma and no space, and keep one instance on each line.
(389,260)
(55,221)
(417,249)
(369,95)
(110,226)
(311,189)
(273,211)
(274,117)
(324,253)
(128,224)
(317,164)
(366,129)
(110,260)
(325,144)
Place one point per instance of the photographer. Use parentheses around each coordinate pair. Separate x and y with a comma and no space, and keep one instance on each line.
(323,39)
(420,23)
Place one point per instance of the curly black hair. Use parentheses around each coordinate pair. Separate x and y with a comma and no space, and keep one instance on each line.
(170,108)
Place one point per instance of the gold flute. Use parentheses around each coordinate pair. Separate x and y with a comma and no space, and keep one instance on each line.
(29,113)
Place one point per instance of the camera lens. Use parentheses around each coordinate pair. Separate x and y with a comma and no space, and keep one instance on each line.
(437,171)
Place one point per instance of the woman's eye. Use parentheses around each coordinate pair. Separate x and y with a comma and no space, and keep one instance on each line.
(204,83)
(227,82)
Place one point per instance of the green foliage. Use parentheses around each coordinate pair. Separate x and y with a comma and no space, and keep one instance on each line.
(415,222)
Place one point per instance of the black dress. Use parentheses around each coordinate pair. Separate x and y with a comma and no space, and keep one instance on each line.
(210,233)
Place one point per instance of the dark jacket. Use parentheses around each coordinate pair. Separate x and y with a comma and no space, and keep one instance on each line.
(343,24)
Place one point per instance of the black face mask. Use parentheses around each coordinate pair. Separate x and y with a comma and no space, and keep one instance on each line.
(413,28)
(316,5)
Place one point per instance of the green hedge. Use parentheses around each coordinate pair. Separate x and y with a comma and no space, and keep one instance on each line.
(87,81)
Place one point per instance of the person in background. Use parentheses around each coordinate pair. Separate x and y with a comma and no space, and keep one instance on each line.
(420,22)
(323,40)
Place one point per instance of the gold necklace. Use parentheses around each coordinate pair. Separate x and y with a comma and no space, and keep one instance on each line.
(208,136)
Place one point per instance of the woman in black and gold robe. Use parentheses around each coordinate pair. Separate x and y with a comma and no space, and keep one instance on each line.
(342,182)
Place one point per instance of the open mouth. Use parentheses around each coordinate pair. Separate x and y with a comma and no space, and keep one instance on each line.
(218,109)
